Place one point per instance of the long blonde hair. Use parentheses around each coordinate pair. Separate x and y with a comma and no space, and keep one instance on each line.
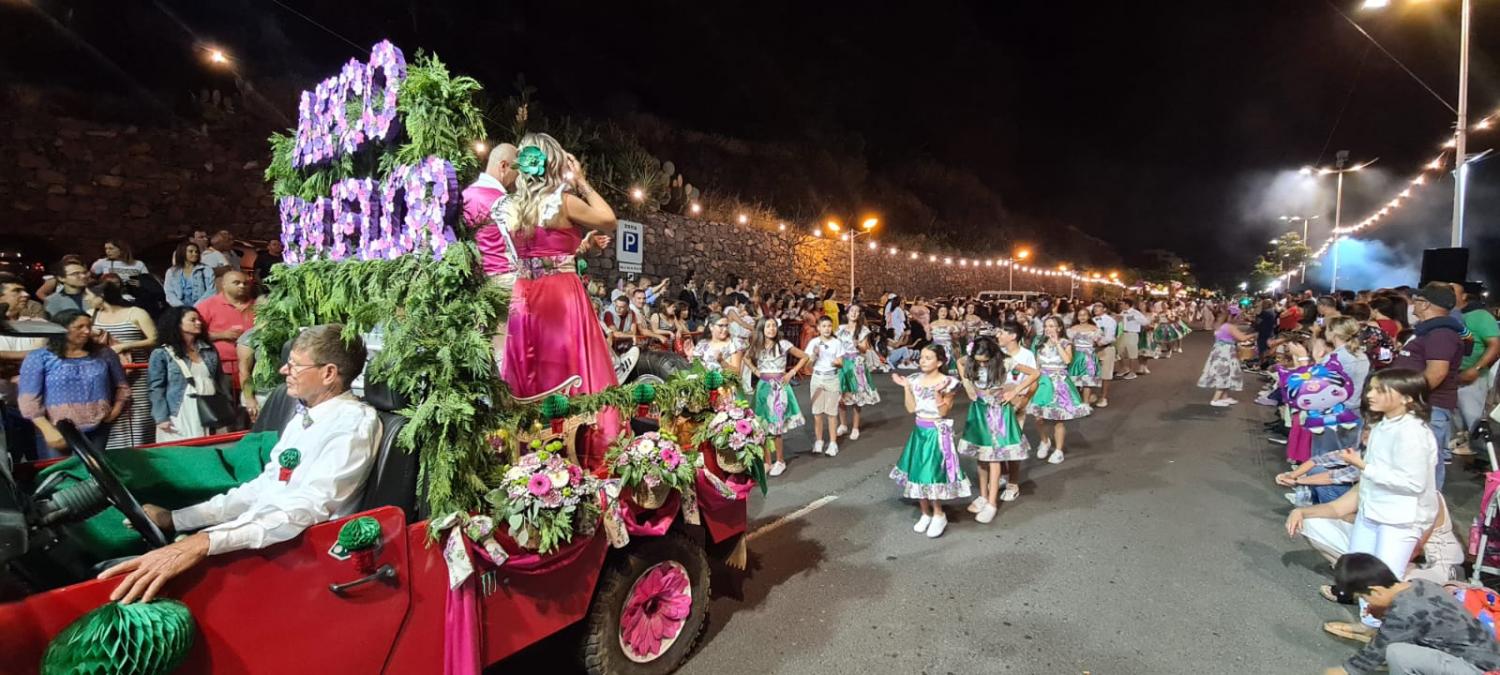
(1346,329)
(524,204)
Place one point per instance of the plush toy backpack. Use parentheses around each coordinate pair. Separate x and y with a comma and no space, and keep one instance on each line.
(1319,393)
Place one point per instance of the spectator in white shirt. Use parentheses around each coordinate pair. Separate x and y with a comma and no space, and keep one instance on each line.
(119,261)
(221,252)
(336,436)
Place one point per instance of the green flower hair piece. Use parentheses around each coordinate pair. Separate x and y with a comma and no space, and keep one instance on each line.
(359,534)
(289,458)
(144,638)
(532,161)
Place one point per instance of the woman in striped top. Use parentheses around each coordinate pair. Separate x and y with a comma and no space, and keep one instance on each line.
(132,334)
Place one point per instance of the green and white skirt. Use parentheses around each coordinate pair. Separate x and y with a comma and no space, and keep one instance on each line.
(1056,399)
(928,468)
(991,433)
(854,382)
(776,405)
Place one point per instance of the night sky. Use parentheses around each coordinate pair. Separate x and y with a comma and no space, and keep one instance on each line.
(1148,125)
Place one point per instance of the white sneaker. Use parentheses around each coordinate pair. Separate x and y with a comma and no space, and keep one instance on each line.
(1145,370)
(922,523)
(625,363)
(1230,400)
(841,431)
(1010,493)
(1103,403)
(938,524)
(833,450)
(1043,448)
(1056,458)
(985,515)
(978,504)
(1130,376)
(818,448)
(854,434)
(1220,403)
(777,469)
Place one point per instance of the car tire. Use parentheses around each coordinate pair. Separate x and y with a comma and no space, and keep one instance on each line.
(657,363)
(603,650)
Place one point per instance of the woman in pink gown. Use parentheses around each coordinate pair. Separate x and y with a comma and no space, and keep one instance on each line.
(554,334)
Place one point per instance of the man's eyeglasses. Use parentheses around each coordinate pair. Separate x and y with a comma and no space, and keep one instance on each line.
(294,367)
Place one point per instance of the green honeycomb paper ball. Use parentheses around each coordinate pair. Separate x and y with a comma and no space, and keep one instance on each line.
(149,638)
(645,393)
(714,379)
(555,406)
(359,534)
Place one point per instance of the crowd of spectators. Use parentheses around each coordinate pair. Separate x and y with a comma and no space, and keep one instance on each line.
(142,353)
(1369,495)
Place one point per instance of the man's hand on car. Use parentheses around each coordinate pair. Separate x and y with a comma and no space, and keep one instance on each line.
(144,576)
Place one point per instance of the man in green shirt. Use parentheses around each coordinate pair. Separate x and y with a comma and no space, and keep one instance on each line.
(1474,370)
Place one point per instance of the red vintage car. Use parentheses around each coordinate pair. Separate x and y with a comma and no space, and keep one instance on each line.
(293,608)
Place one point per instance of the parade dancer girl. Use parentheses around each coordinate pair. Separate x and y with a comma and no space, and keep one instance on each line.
(992,435)
(1221,372)
(928,469)
(827,355)
(1056,400)
(1084,368)
(720,351)
(774,401)
(1165,331)
(855,386)
(943,329)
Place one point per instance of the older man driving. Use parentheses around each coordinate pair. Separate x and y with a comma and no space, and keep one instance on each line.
(335,436)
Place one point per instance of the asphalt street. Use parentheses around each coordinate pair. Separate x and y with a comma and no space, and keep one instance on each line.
(1156,547)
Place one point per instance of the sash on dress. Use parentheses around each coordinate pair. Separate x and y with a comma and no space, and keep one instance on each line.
(944,429)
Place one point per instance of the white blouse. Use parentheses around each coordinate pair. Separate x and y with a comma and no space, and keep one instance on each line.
(1399,485)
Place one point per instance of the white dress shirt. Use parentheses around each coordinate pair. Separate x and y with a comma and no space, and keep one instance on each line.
(1399,485)
(338,449)
(1133,320)
(1107,326)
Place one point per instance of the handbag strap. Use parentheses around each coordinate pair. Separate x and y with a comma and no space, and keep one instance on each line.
(187,372)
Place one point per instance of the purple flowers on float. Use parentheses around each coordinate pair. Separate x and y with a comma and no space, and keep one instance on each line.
(411,210)
(324,127)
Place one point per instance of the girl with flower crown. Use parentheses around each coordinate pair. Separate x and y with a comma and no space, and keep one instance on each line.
(855,386)
(553,334)
(928,469)
(774,401)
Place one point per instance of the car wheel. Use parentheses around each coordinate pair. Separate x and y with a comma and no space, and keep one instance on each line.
(649,609)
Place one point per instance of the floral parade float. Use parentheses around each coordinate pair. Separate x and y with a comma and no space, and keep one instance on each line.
(479,533)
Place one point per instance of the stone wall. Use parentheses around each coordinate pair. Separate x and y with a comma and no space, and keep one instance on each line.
(68,184)
(675,246)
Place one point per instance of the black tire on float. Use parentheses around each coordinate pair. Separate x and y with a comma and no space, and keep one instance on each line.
(659,363)
(600,651)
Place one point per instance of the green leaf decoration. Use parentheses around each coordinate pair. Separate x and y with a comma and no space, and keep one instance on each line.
(149,638)
(289,458)
(555,406)
(645,394)
(359,534)
(713,380)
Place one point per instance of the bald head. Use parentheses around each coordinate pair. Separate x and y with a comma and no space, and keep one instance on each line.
(502,165)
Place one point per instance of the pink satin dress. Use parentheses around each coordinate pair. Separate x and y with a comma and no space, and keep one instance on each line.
(553,332)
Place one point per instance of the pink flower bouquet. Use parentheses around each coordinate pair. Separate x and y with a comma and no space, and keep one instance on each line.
(652,463)
(738,436)
(543,499)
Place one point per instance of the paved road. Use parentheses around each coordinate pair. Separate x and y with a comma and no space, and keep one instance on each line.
(1157,547)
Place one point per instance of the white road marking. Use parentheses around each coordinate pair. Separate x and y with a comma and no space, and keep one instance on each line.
(817,504)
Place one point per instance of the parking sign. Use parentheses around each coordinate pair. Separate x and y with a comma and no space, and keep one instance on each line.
(630,244)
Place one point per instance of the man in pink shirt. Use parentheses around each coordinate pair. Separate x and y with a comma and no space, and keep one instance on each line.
(498,178)
(228,314)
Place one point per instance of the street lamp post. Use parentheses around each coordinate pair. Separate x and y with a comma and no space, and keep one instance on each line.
(1461,130)
(866,228)
(1341,167)
(1302,276)
(1020,254)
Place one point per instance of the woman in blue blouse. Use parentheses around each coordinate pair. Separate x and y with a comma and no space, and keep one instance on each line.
(76,378)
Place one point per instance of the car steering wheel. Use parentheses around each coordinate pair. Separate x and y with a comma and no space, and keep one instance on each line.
(110,485)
